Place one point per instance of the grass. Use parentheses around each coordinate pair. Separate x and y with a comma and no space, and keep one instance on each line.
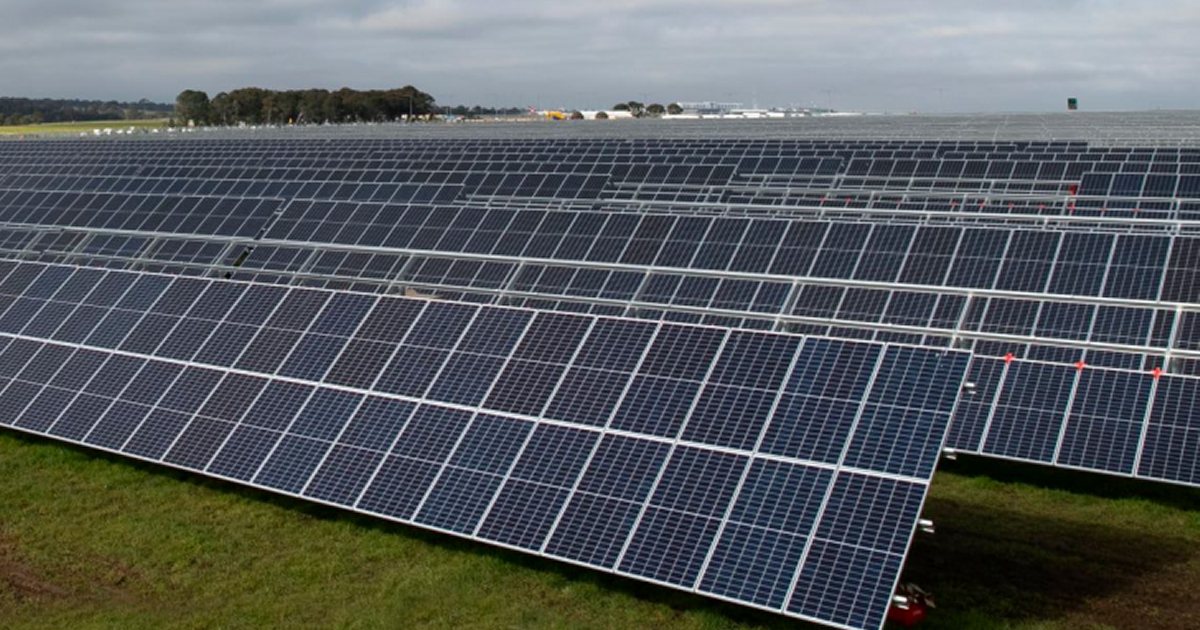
(75,128)
(91,541)
(1022,546)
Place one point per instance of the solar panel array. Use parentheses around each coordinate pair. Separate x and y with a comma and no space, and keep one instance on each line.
(775,470)
(734,360)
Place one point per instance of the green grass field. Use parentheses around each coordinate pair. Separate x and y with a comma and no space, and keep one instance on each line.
(92,541)
(75,128)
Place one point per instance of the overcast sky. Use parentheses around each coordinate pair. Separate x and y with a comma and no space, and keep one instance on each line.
(878,55)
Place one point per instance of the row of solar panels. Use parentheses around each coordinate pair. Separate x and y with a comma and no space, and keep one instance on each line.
(407,154)
(1157,331)
(245,216)
(28,206)
(267,143)
(809,172)
(936,309)
(402,149)
(634,168)
(1131,335)
(926,315)
(118,251)
(877,163)
(974,257)
(1089,182)
(994,259)
(606,442)
(1131,195)
(988,258)
(602,151)
(64,158)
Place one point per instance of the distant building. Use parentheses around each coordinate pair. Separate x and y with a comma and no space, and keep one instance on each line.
(693,110)
(707,108)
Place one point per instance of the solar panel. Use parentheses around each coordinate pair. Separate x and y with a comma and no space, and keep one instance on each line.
(665,452)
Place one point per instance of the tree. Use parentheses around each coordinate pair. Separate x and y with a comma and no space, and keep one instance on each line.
(408,101)
(193,106)
(313,106)
(621,107)
(281,107)
(348,105)
(221,110)
(655,109)
(22,110)
(576,115)
(601,116)
(674,109)
(247,105)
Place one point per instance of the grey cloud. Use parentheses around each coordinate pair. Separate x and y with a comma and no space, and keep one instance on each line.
(928,55)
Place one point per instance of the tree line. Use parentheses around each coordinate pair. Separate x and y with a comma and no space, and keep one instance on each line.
(256,106)
(29,111)
(641,110)
(476,111)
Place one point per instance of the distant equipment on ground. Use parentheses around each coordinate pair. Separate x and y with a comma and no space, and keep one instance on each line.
(1072,104)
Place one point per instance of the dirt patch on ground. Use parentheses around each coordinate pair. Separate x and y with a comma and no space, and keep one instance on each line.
(76,581)
(114,579)
(18,579)
(1165,599)
(1018,567)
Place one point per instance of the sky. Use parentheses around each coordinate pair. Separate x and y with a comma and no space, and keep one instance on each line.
(866,55)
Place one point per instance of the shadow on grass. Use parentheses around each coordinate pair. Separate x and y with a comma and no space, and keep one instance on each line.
(1075,481)
(678,601)
(998,562)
